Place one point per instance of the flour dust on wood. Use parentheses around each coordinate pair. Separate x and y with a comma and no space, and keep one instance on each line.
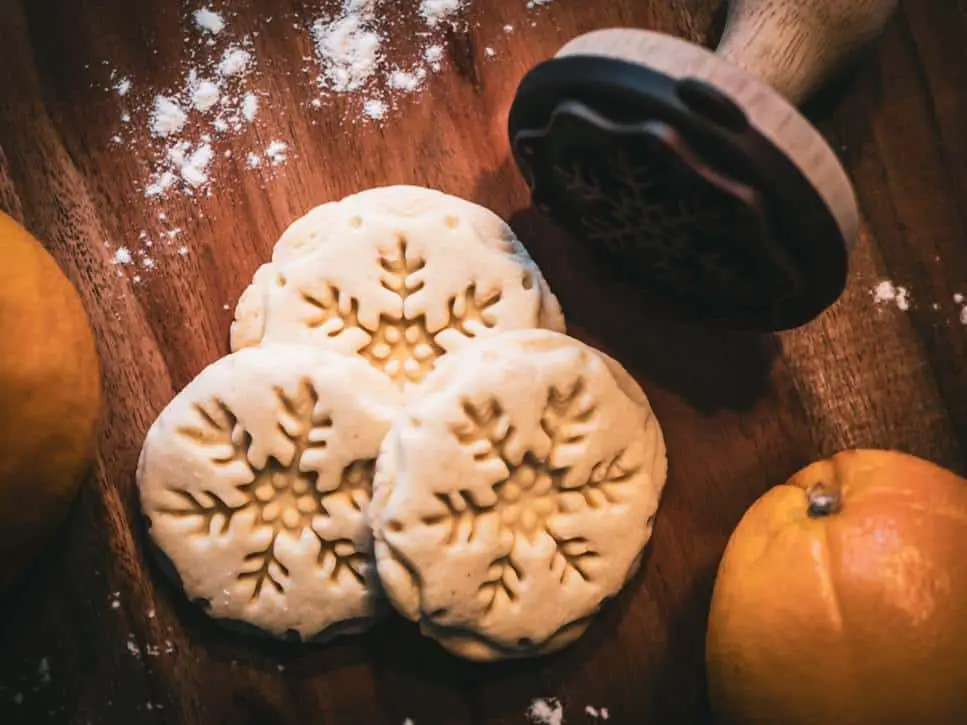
(546,711)
(212,122)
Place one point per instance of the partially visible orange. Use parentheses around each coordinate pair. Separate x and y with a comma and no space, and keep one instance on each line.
(841,599)
(50,396)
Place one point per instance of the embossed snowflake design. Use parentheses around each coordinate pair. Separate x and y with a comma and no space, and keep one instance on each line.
(685,243)
(404,348)
(283,497)
(532,491)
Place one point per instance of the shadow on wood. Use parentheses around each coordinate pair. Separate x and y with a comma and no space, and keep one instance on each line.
(711,368)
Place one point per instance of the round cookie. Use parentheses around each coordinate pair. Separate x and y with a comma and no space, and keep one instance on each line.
(255,481)
(398,275)
(515,493)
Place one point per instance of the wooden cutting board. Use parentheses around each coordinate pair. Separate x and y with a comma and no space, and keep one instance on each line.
(92,635)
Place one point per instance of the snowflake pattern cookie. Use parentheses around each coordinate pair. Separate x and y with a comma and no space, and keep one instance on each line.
(398,275)
(516,494)
(255,481)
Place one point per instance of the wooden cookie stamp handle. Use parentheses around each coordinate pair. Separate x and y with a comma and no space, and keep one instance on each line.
(795,45)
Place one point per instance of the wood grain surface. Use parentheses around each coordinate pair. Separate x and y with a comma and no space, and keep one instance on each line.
(92,634)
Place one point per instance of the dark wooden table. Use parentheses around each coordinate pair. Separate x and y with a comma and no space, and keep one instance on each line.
(92,635)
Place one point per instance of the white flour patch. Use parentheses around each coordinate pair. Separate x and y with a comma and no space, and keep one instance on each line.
(168,117)
(250,106)
(205,95)
(375,109)
(209,21)
(598,713)
(433,55)
(132,647)
(349,48)
(435,12)
(531,4)
(407,81)
(194,168)
(234,62)
(352,49)
(960,301)
(276,152)
(886,292)
(547,711)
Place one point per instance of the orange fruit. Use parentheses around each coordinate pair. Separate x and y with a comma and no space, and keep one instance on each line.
(841,599)
(50,396)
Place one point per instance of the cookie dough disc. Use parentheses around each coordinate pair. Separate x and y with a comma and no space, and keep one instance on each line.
(256,480)
(399,275)
(515,494)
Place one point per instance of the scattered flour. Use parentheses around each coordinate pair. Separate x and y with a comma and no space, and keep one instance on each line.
(433,54)
(349,48)
(212,102)
(546,712)
(209,21)
(351,51)
(596,712)
(250,106)
(531,4)
(234,62)
(960,300)
(133,648)
(168,117)
(218,98)
(194,168)
(205,95)
(886,291)
(435,12)
(375,109)
(276,152)
(404,81)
